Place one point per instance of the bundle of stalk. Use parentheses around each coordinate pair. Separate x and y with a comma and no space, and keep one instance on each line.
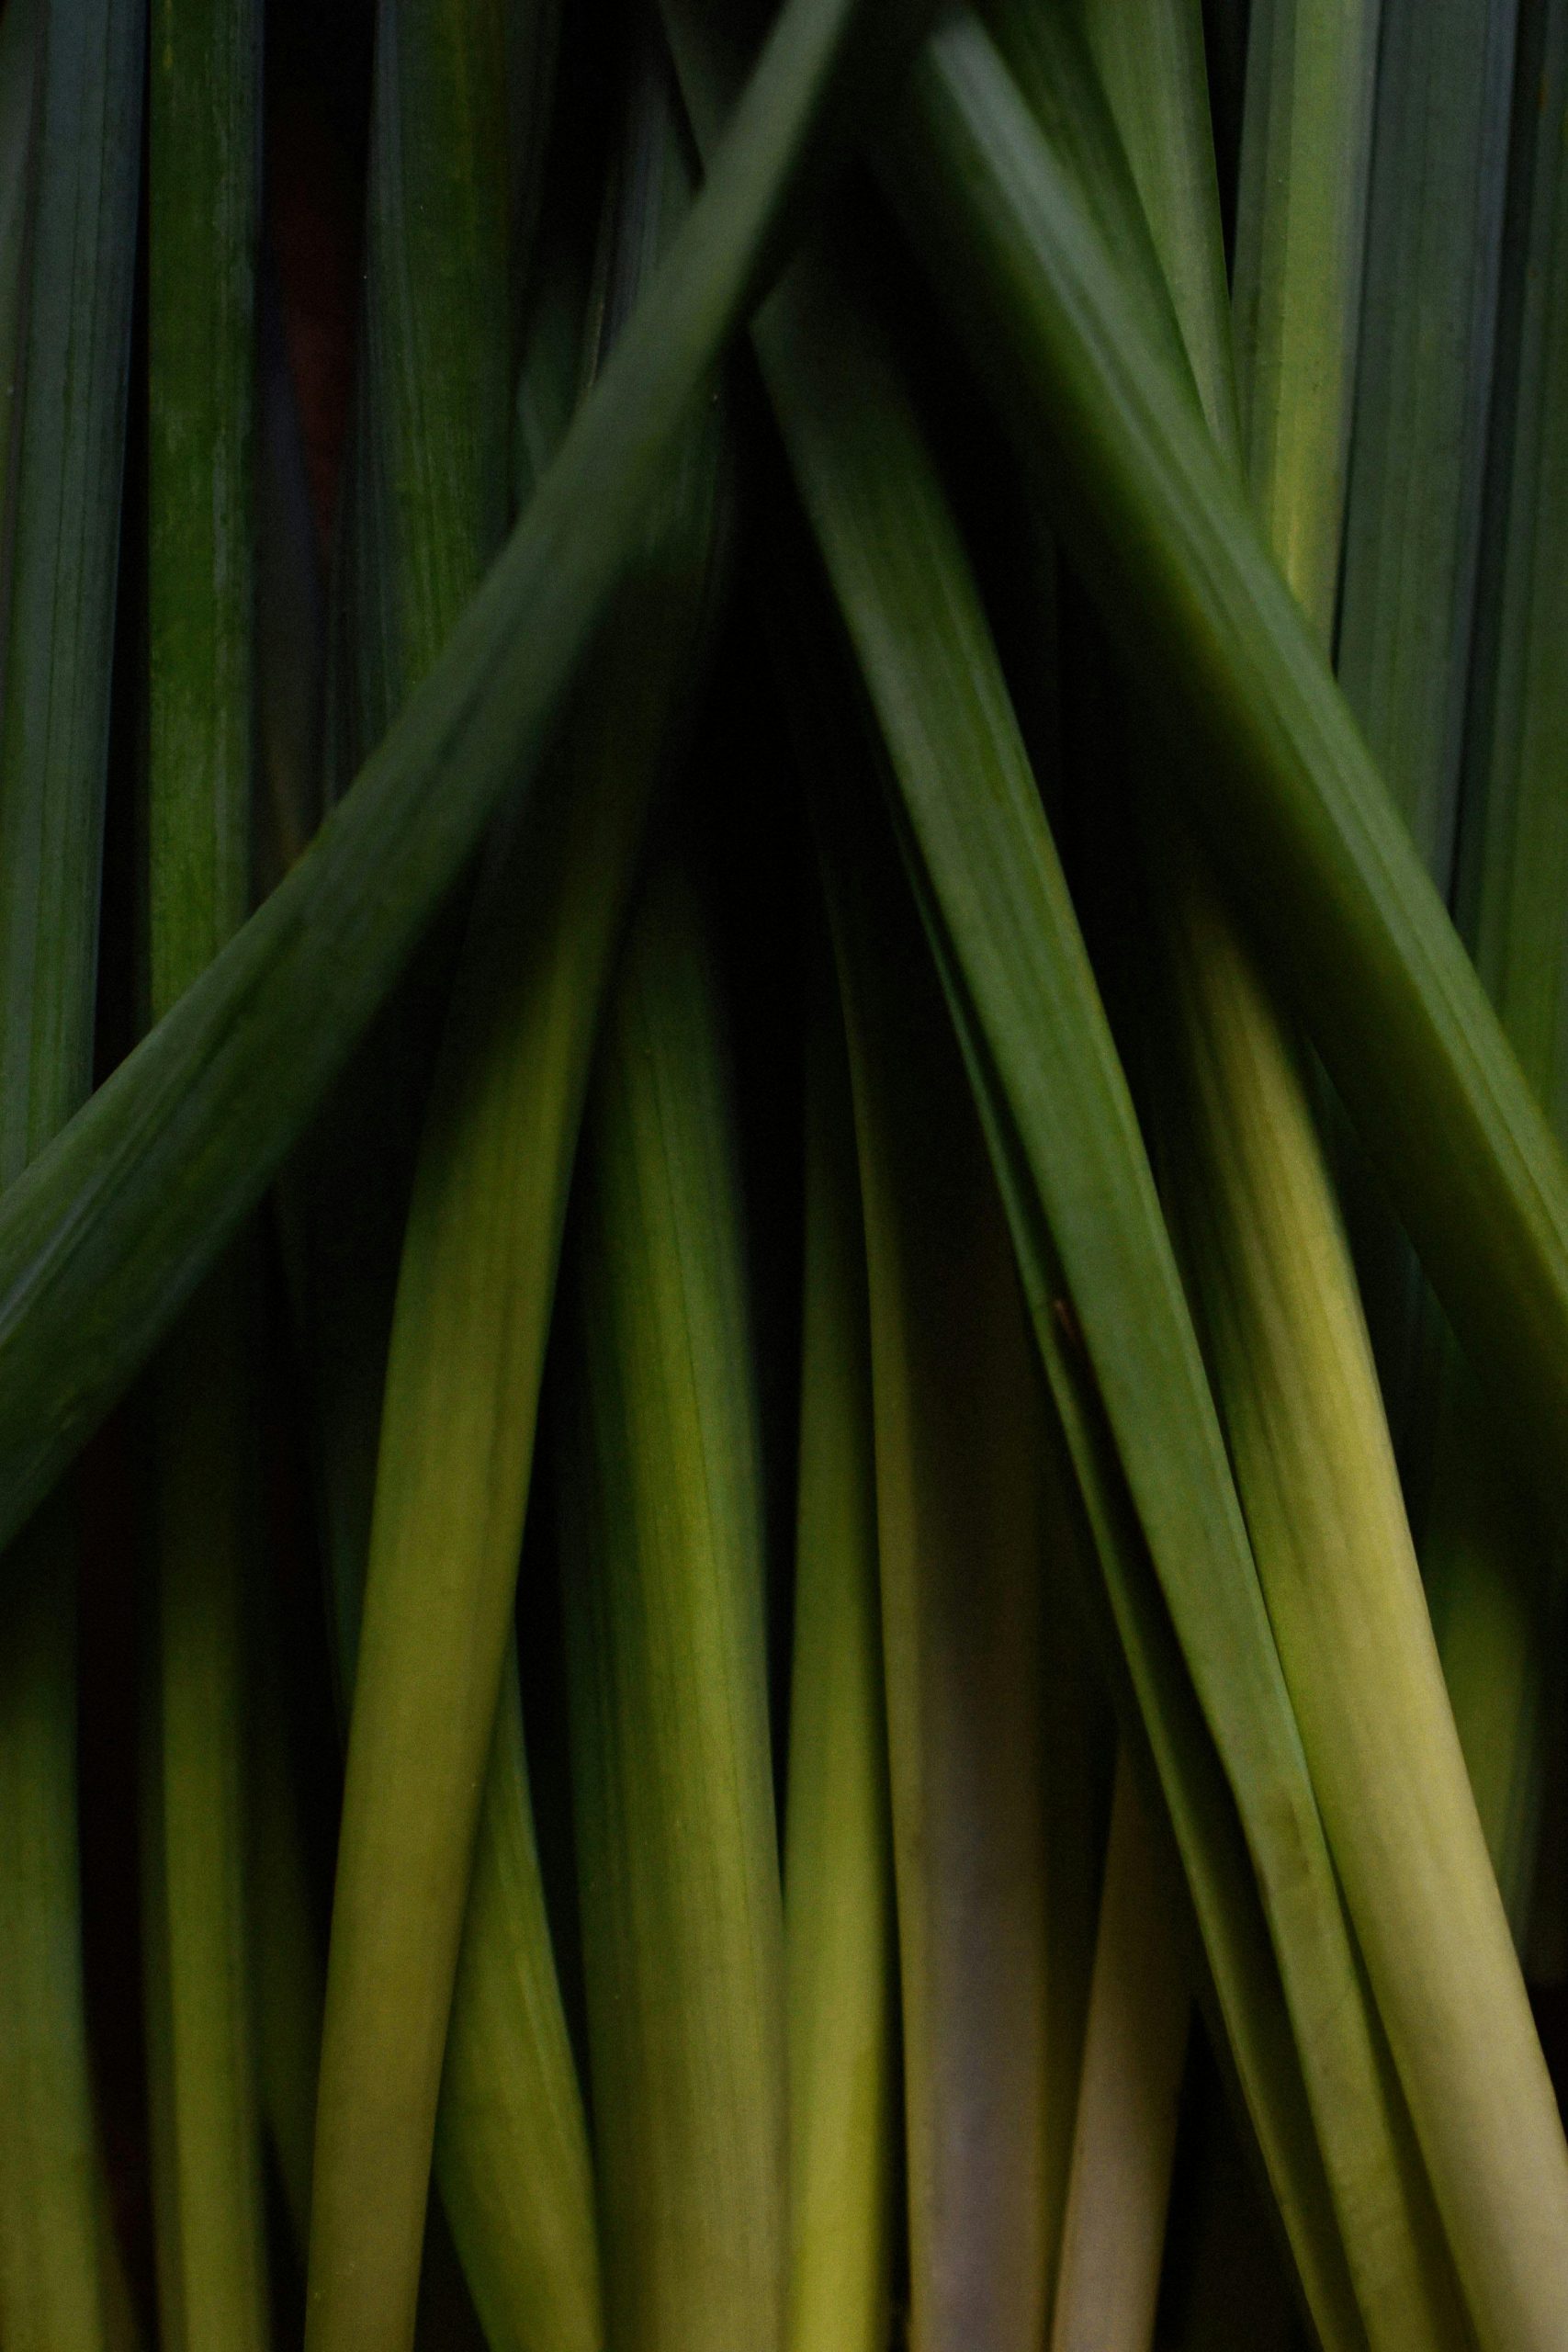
(784,908)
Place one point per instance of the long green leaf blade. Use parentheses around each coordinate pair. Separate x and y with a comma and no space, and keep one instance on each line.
(1155,80)
(662,1563)
(1315,1470)
(837,1876)
(70,240)
(966,1533)
(425,505)
(436,388)
(285,1963)
(1316,1473)
(991,870)
(1418,457)
(18,100)
(208,2197)
(204,204)
(1407,602)
(861,494)
(428,502)
(461,1398)
(1485,1547)
(52,2282)
(997,1805)
(1124,2138)
(1295,809)
(69,455)
(1162,1718)
(1158,1704)
(512,2152)
(1301,229)
(95,1265)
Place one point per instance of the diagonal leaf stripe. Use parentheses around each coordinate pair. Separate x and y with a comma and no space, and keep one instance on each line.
(1281,780)
(1005,930)
(109,1230)
(990,875)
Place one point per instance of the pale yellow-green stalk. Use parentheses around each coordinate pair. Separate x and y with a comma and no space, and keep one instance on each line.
(839,1927)
(661,1539)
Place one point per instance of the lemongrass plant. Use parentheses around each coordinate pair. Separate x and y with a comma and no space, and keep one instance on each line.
(882,526)
(503,1118)
(1307,1395)
(206,2131)
(72,97)
(1486,1548)
(785,1654)
(839,1924)
(969,1538)
(661,1530)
